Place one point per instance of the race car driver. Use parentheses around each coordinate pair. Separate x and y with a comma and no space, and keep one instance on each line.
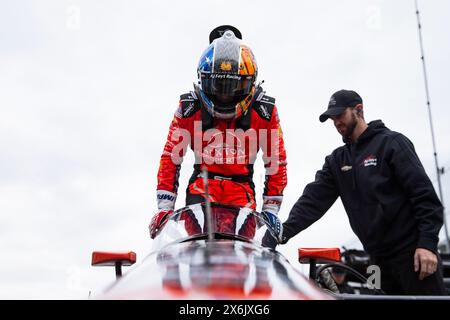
(225,120)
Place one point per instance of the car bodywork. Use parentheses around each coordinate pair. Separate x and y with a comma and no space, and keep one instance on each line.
(227,262)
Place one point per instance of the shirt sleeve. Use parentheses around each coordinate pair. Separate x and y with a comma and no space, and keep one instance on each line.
(172,156)
(427,207)
(274,156)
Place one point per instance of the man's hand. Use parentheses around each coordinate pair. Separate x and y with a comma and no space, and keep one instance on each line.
(158,222)
(425,261)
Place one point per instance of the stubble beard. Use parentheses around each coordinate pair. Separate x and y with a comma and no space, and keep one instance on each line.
(346,131)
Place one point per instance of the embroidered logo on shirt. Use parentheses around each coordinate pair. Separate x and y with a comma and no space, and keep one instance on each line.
(264,111)
(371,160)
(188,109)
(346,168)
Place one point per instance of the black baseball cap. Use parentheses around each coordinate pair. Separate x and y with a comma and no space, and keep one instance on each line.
(340,101)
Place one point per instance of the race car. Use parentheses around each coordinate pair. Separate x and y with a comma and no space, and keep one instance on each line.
(215,255)
(214,252)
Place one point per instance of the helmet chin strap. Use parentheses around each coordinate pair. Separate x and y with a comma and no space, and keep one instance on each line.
(231,106)
(224,116)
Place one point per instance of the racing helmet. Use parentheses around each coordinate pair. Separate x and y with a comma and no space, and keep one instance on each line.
(227,73)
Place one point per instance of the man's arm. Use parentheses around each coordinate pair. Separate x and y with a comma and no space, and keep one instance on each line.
(427,208)
(316,199)
(170,163)
(274,156)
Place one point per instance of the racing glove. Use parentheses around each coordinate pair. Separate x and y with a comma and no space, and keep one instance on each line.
(274,233)
(269,241)
(166,204)
(272,203)
(165,199)
(158,222)
(271,207)
(273,223)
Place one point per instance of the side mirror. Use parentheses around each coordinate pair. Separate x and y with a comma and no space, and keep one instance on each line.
(318,255)
(116,259)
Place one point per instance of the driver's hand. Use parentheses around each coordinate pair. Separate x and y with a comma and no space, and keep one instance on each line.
(274,233)
(274,224)
(269,241)
(158,222)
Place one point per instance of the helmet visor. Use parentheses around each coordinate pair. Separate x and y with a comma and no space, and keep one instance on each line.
(226,85)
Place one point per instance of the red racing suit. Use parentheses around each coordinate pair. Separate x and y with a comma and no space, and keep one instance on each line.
(227,149)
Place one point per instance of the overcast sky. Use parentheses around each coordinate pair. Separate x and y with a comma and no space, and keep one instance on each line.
(88,90)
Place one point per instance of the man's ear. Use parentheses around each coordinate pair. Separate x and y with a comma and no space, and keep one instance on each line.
(359,109)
